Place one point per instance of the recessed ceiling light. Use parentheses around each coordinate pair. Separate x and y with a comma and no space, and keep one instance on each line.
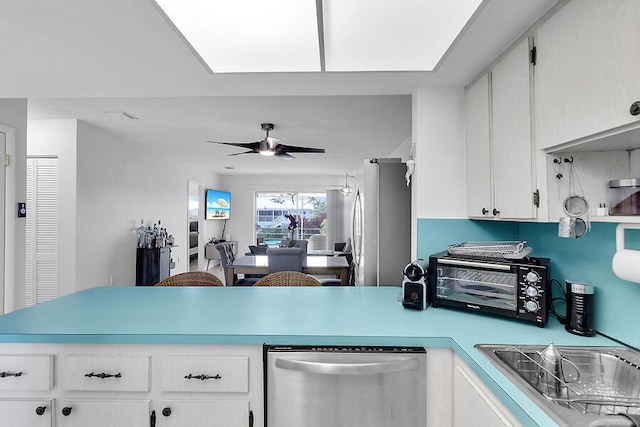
(243,36)
(391,35)
(249,35)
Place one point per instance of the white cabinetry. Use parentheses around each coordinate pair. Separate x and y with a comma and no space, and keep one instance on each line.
(499,151)
(112,385)
(474,403)
(26,413)
(23,376)
(108,412)
(586,76)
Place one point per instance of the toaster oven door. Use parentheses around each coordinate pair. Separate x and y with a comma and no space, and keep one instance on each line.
(477,284)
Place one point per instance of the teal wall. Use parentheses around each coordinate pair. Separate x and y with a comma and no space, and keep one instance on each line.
(588,259)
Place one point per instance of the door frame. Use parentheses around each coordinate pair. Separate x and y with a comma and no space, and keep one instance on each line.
(7,267)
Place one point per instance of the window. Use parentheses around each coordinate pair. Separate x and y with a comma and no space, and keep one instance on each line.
(272,226)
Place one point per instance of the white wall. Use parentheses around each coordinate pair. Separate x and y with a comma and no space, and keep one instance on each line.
(119,183)
(13,121)
(58,138)
(241,225)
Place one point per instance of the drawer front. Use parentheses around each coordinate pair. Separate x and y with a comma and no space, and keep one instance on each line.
(26,372)
(104,413)
(105,373)
(221,374)
(26,413)
(213,413)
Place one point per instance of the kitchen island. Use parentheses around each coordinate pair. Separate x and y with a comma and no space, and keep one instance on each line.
(197,318)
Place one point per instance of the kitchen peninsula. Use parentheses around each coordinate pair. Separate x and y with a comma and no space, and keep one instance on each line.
(150,333)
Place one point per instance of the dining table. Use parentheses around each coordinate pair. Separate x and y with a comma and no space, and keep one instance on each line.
(314,265)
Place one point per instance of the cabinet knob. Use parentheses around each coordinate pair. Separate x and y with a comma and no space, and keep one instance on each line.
(495,212)
(635,108)
(166,411)
(484,211)
(40,410)
(66,411)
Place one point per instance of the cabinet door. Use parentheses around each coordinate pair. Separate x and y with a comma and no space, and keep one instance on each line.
(586,76)
(212,413)
(104,413)
(478,148)
(511,140)
(25,413)
(474,404)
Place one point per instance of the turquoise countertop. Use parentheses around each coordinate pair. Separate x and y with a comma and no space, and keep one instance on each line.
(287,315)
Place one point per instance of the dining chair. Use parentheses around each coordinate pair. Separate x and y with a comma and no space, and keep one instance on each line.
(288,278)
(226,259)
(317,242)
(284,259)
(191,278)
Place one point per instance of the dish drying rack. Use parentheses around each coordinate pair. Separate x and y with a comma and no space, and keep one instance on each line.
(586,393)
(506,249)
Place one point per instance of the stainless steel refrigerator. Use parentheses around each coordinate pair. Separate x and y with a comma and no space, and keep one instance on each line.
(381,223)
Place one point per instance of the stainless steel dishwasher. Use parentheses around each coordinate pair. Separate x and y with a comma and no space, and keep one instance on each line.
(325,386)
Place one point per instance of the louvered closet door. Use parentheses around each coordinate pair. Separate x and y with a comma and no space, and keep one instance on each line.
(41,230)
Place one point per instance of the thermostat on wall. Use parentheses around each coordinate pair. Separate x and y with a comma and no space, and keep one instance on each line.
(22,209)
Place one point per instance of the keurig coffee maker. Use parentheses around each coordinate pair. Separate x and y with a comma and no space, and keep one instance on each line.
(414,285)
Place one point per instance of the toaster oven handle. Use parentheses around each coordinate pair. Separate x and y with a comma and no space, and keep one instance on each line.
(464,263)
(347,368)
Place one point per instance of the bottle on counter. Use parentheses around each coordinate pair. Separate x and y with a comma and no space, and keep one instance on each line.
(140,234)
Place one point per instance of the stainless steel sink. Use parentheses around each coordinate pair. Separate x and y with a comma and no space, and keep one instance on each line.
(600,385)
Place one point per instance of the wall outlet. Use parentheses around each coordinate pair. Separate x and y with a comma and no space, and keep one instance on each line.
(112,281)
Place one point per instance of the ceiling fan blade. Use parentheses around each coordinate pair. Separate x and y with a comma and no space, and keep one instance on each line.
(244,152)
(285,156)
(250,145)
(295,149)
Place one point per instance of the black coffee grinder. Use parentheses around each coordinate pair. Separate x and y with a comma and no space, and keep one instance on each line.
(580,309)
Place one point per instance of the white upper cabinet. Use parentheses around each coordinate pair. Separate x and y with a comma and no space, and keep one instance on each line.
(499,150)
(478,148)
(588,74)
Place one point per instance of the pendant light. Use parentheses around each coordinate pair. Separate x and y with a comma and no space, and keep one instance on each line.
(346,190)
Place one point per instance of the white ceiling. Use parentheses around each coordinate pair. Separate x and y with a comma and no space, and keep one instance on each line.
(83,58)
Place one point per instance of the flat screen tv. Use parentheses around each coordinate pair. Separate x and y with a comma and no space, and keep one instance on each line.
(218,204)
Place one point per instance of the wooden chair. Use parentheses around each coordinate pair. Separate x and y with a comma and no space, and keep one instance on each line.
(288,278)
(191,278)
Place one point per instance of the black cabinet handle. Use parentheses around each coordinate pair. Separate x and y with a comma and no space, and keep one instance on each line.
(40,410)
(66,411)
(103,375)
(495,212)
(635,108)
(484,211)
(4,374)
(202,377)
(166,412)
(152,421)
(250,418)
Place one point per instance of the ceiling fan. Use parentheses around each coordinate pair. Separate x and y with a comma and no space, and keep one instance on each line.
(270,146)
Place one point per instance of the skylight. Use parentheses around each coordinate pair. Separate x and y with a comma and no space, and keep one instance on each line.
(244,36)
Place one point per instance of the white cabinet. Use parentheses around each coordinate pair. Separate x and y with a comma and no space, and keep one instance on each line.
(104,413)
(586,76)
(474,403)
(130,385)
(105,373)
(478,148)
(26,413)
(210,413)
(499,149)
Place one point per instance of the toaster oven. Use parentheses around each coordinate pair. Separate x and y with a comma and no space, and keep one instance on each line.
(517,289)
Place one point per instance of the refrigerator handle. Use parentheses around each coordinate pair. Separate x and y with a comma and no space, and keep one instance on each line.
(328,368)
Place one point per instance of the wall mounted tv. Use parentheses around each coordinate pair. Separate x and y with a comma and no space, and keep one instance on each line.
(218,204)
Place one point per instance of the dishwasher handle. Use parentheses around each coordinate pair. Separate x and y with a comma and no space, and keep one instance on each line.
(329,368)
